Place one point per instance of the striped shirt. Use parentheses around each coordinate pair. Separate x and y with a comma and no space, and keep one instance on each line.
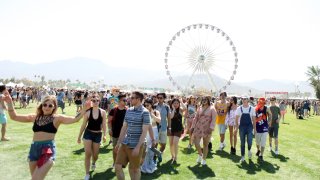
(135,118)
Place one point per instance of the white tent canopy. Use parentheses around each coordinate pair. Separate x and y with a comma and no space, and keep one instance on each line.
(11,84)
(20,84)
(1,83)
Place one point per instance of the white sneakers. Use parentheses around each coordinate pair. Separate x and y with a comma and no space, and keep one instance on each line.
(87,177)
(222,146)
(242,159)
(276,152)
(93,167)
(250,154)
(199,159)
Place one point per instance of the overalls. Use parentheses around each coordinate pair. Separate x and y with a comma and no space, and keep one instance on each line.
(245,129)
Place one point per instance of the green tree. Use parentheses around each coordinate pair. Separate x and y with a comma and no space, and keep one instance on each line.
(313,74)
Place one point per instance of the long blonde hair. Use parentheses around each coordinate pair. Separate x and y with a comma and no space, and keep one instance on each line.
(48,98)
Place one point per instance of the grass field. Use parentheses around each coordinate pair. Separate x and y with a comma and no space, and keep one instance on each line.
(299,156)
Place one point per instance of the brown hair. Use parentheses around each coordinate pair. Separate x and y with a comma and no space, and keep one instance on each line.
(48,98)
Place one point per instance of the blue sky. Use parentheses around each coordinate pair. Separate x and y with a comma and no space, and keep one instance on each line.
(274,39)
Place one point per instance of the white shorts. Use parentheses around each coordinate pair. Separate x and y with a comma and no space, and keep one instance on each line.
(222,128)
(163,137)
(261,139)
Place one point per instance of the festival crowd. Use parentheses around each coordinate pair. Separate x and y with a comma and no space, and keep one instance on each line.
(141,126)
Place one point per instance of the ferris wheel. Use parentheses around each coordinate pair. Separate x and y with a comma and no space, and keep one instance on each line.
(201,56)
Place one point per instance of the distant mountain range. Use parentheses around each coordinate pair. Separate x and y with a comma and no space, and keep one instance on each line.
(87,70)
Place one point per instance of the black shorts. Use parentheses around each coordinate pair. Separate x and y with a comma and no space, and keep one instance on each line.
(273,132)
(92,136)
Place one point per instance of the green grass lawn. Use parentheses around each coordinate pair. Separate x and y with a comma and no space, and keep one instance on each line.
(299,156)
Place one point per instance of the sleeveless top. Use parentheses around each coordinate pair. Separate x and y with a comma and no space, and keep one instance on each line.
(191,111)
(94,124)
(176,122)
(221,112)
(44,124)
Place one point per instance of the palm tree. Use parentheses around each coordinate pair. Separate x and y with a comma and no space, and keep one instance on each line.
(313,74)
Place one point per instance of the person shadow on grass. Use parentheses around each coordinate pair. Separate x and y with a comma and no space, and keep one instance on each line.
(202,172)
(108,174)
(253,168)
(224,154)
(280,157)
(165,168)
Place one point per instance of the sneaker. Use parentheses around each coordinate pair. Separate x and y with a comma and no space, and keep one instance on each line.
(87,177)
(160,158)
(270,148)
(222,145)
(209,146)
(5,139)
(276,152)
(203,162)
(242,159)
(93,166)
(261,158)
(199,159)
(231,150)
(250,154)
(189,146)
(258,153)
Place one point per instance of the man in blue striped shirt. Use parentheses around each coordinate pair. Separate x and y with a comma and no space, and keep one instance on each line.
(132,137)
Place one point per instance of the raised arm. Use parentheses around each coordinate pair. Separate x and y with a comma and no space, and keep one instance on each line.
(62,119)
(12,112)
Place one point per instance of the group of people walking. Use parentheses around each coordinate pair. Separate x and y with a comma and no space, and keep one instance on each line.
(140,132)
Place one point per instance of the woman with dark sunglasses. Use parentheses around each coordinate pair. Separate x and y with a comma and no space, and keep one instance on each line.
(93,122)
(45,126)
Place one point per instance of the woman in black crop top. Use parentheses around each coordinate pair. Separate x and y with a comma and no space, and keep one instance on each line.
(45,125)
(175,127)
(93,122)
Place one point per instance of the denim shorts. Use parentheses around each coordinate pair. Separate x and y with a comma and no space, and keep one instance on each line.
(37,147)
(93,136)
(3,119)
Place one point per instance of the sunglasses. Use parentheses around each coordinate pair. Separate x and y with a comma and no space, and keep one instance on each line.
(95,100)
(117,91)
(133,97)
(47,105)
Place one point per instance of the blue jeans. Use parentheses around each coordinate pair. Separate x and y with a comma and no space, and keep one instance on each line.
(245,131)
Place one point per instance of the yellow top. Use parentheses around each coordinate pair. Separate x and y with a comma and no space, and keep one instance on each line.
(221,109)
